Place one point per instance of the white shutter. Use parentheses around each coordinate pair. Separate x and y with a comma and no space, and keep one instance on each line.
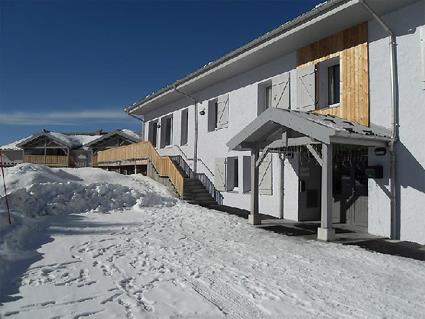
(222,111)
(246,187)
(306,88)
(220,174)
(281,91)
(265,186)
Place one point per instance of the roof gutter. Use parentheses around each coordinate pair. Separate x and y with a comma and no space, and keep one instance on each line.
(394,119)
(233,54)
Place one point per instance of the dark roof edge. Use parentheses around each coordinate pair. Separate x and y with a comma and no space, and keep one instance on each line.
(330,4)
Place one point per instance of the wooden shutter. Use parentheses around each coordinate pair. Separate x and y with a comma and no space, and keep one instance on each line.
(306,88)
(212,112)
(184,127)
(281,91)
(220,174)
(222,111)
(246,162)
(265,176)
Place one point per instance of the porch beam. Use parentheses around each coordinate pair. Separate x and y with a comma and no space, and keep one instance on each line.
(315,154)
(254,217)
(326,232)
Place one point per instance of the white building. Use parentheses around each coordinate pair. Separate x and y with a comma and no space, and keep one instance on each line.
(336,63)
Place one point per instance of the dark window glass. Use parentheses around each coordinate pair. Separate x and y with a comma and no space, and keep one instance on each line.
(333,84)
(268,97)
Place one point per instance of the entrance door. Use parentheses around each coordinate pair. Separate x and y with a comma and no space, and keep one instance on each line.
(350,187)
(309,177)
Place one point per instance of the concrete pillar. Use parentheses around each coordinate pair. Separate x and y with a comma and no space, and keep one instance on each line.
(254,217)
(326,232)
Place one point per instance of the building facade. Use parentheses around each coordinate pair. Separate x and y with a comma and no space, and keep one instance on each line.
(334,61)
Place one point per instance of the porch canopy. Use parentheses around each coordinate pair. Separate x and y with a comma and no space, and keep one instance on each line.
(277,129)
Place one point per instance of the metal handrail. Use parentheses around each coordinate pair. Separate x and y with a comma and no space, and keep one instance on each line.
(191,159)
(203,178)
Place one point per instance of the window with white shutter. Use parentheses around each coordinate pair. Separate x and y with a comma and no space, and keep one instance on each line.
(212,115)
(166,130)
(223,111)
(232,173)
(306,88)
(281,91)
(265,182)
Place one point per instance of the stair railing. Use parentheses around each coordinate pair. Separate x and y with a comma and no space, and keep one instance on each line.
(144,150)
(203,178)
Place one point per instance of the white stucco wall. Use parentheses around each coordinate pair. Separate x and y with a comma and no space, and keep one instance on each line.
(243,100)
(406,23)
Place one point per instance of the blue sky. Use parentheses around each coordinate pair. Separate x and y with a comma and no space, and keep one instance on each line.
(73,65)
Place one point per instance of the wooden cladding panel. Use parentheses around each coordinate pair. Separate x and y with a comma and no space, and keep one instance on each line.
(351,46)
(50,160)
(144,150)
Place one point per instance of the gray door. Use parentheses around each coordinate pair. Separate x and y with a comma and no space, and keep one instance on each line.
(309,179)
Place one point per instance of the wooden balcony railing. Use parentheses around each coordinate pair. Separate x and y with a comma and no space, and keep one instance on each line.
(144,150)
(50,160)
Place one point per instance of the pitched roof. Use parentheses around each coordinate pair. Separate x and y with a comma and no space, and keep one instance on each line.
(270,125)
(71,141)
(125,133)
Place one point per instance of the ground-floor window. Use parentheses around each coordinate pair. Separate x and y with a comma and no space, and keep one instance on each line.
(166,130)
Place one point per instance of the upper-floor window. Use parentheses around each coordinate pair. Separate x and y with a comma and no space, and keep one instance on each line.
(274,93)
(184,126)
(166,130)
(218,113)
(333,84)
(153,132)
(328,80)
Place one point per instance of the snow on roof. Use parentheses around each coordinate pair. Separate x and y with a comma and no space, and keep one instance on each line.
(130,133)
(73,141)
(13,146)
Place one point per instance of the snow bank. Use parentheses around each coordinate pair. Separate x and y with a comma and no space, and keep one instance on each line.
(38,190)
(37,193)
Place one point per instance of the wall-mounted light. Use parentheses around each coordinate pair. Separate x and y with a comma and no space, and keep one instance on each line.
(202,112)
(380,151)
(158,126)
(289,155)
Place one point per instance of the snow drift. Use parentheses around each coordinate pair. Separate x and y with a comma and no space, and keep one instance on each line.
(37,190)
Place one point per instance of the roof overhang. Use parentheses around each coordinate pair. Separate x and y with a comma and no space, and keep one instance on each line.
(323,21)
(111,135)
(301,128)
(51,137)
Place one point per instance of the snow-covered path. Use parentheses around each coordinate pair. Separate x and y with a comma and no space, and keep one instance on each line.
(190,262)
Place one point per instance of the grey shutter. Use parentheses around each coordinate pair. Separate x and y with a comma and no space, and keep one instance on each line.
(246,187)
(184,127)
(230,173)
(223,111)
(281,91)
(211,115)
(265,186)
(220,174)
(306,88)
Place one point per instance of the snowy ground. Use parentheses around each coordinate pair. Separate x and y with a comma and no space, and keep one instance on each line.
(163,258)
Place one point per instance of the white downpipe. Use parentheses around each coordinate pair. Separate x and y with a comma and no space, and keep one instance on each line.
(394,118)
(195,146)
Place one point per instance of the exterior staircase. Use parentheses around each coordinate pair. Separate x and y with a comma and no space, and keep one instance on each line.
(198,188)
(172,171)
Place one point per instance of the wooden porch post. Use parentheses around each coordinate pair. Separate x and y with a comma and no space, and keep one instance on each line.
(254,217)
(45,150)
(326,232)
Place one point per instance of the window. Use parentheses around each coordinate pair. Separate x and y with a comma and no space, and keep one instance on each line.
(166,130)
(184,127)
(218,113)
(212,115)
(268,97)
(328,82)
(153,132)
(333,84)
(226,176)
